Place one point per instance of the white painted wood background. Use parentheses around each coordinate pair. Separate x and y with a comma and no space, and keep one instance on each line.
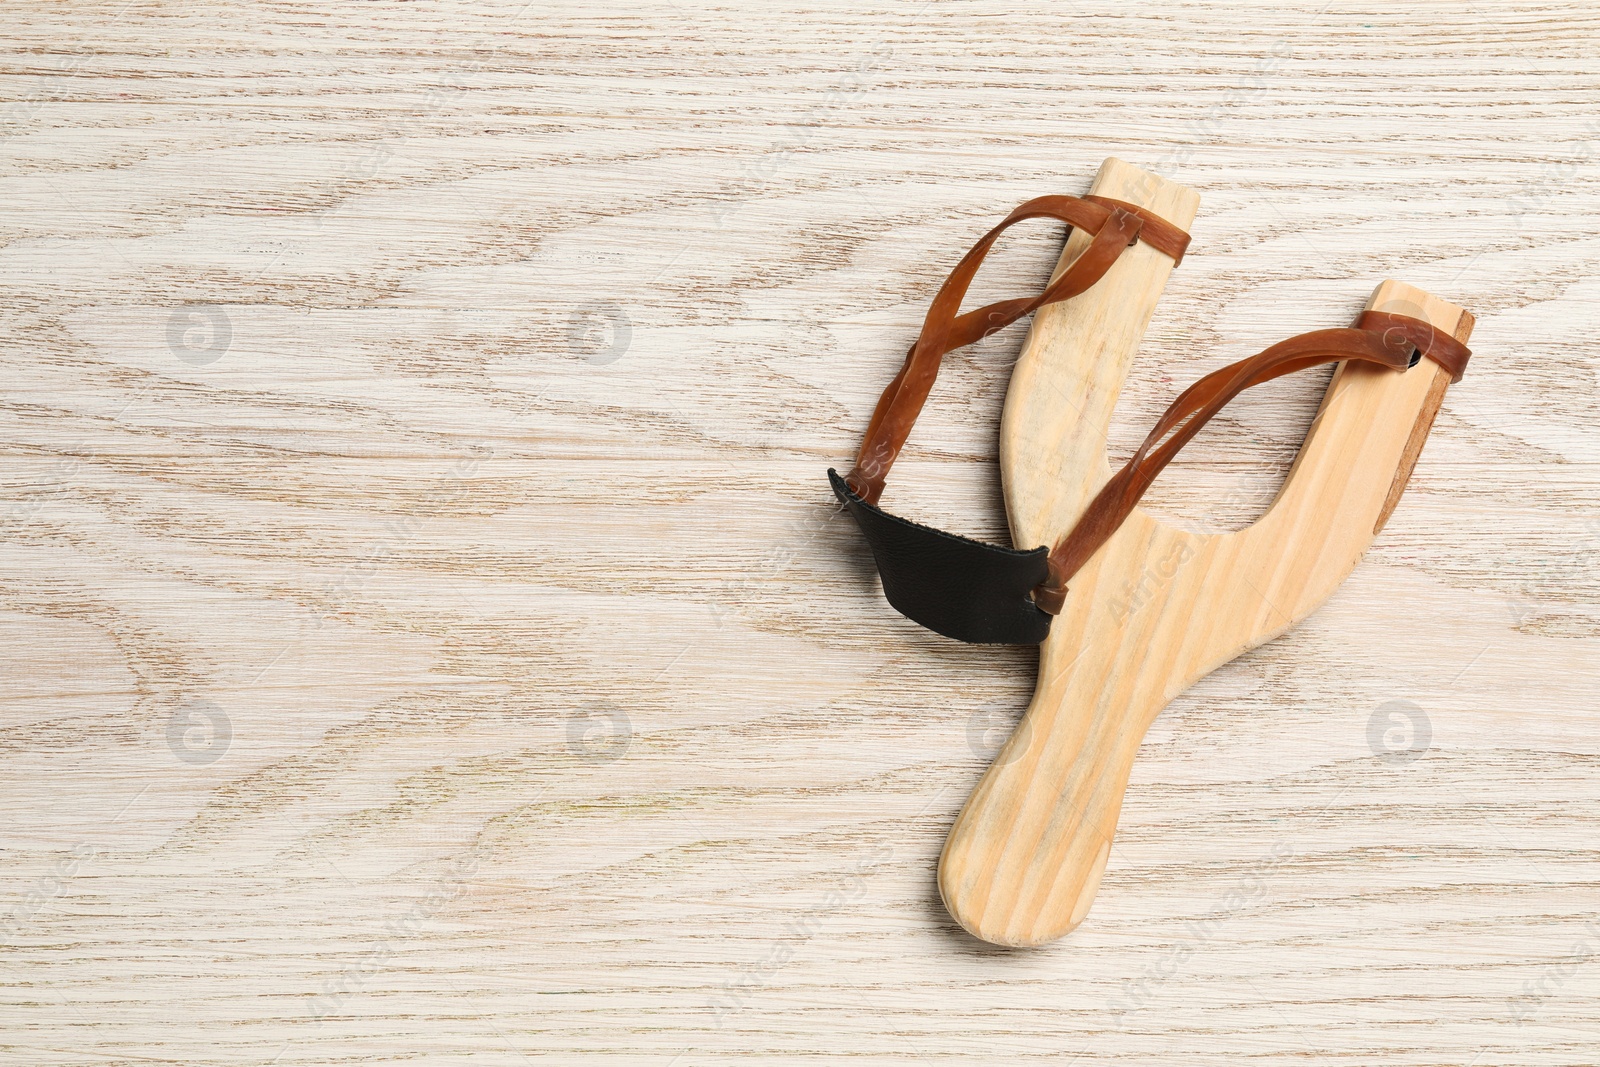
(428,637)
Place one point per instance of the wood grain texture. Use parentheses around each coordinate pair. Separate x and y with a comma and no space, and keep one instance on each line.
(429,639)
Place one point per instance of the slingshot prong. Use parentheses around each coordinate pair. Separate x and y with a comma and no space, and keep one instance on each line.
(1072,366)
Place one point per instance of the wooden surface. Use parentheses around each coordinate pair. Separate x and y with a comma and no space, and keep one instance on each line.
(428,637)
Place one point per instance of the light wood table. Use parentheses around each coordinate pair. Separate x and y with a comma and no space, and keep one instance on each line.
(428,636)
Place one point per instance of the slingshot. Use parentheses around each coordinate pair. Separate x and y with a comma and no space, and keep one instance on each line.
(1025,856)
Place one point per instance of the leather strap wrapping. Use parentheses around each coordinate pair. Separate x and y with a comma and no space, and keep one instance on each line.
(954,586)
(988,594)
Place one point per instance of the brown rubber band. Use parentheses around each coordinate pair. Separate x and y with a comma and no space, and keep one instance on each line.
(1383,338)
(1114,225)
(1157,232)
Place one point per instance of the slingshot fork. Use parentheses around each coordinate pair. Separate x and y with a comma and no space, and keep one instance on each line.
(1025,856)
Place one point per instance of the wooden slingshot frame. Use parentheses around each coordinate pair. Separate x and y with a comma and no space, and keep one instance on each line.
(1025,856)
